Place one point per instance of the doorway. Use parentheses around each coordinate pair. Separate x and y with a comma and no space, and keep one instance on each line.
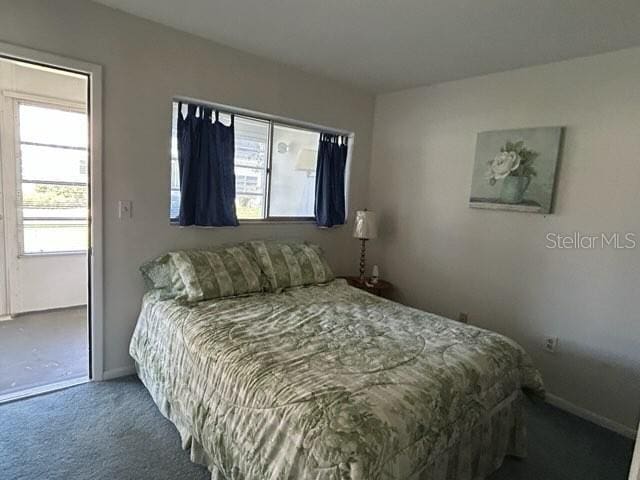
(48,237)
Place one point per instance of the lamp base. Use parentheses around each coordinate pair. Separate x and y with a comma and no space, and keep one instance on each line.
(362,257)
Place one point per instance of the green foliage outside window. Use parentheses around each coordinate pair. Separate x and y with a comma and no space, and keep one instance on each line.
(55,196)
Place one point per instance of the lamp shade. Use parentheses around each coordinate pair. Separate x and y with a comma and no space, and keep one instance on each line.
(366,225)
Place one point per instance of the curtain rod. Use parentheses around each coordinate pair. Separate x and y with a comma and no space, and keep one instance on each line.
(262,116)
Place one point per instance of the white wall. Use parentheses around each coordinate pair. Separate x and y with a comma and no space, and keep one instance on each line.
(145,64)
(46,282)
(448,258)
(35,282)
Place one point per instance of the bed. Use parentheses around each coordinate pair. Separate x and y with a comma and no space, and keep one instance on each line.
(327,382)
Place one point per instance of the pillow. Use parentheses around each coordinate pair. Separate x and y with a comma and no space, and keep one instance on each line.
(214,273)
(290,264)
(158,273)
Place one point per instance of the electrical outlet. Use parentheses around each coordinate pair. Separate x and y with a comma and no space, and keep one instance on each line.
(463,317)
(551,344)
(125,209)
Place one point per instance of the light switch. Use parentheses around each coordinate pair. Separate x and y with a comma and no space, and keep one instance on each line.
(125,209)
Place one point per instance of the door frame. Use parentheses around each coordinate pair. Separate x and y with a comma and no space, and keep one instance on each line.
(634,473)
(95,305)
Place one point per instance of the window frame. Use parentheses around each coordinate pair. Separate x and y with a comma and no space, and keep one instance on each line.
(54,104)
(272,121)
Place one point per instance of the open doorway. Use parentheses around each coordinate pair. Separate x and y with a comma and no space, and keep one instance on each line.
(44,228)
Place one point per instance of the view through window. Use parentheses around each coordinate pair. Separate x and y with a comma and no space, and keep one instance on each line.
(52,165)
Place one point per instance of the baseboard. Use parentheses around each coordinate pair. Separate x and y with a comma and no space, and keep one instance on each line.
(118,372)
(592,417)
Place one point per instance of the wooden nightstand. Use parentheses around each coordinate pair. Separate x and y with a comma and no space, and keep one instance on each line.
(381,288)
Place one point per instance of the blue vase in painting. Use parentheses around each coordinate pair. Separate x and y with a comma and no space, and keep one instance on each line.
(513,189)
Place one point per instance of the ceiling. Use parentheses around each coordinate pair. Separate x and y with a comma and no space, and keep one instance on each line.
(385,45)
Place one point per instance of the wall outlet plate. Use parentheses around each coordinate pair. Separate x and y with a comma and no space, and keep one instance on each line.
(550,344)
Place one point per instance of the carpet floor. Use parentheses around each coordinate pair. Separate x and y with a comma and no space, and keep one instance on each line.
(113,430)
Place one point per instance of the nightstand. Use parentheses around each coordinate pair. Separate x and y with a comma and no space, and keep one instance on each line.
(381,288)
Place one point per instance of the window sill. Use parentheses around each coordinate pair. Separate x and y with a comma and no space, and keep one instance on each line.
(276,221)
(273,221)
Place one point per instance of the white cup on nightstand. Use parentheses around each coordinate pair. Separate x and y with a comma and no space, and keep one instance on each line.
(375,274)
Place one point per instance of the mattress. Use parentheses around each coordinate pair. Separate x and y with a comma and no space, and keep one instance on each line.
(328,382)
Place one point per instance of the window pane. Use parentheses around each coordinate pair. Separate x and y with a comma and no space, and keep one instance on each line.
(54,218)
(175,174)
(53,164)
(294,156)
(53,126)
(250,180)
(174,208)
(55,236)
(251,141)
(174,133)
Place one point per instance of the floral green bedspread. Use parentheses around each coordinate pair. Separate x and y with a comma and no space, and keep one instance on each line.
(322,382)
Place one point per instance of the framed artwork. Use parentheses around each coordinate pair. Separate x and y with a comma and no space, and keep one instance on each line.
(516,169)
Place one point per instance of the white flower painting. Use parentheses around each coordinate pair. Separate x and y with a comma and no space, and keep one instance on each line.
(502,165)
(516,169)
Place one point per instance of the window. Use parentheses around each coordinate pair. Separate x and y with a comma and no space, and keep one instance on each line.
(52,197)
(275,166)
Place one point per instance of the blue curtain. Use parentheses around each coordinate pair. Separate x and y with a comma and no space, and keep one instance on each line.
(206,162)
(332,161)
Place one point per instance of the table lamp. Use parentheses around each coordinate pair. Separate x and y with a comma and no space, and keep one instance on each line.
(365,228)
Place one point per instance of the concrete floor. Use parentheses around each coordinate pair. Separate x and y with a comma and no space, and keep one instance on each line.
(43,348)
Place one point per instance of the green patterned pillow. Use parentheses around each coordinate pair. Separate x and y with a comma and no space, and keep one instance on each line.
(290,264)
(158,274)
(215,273)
